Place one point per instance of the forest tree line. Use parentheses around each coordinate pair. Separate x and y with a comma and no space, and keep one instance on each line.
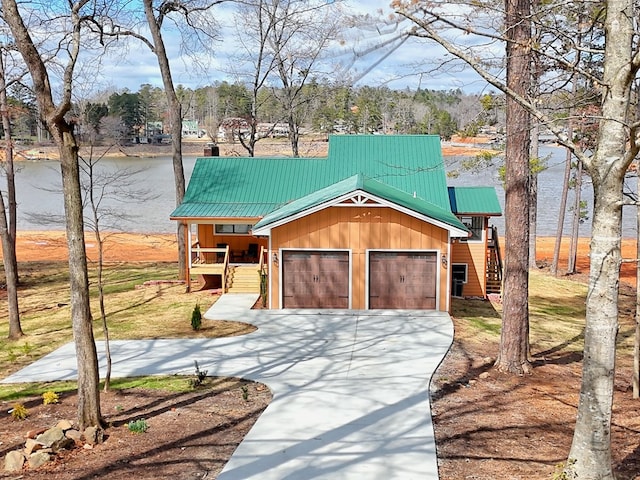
(123,116)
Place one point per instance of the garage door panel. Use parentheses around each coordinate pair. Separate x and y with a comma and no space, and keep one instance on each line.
(402,280)
(315,279)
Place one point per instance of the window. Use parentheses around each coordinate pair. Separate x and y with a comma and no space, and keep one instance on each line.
(459,272)
(476,225)
(233,229)
(458,278)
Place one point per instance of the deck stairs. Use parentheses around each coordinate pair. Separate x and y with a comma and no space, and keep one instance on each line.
(243,278)
(494,264)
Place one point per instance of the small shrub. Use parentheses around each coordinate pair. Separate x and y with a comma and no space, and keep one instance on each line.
(50,397)
(263,287)
(245,393)
(19,412)
(138,426)
(196,318)
(565,471)
(200,376)
(27,348)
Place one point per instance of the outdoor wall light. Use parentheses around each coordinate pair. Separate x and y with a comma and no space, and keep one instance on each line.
(444,260)
(275,258)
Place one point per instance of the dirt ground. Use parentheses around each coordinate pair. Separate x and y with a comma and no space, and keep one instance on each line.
(309,147)
(488,426)
(190,435)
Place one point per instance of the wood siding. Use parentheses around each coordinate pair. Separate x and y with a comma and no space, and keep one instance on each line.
(359,229)
(474,254)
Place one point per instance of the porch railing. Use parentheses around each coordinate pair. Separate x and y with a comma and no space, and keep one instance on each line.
(220,260)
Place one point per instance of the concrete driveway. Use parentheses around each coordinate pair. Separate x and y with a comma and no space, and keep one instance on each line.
(350,388)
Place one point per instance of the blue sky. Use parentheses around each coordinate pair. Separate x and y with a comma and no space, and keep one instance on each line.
(139,65)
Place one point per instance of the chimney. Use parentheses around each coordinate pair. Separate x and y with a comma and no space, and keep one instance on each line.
(211,150)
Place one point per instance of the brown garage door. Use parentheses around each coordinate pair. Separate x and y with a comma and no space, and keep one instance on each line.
(402,280)
(315,279)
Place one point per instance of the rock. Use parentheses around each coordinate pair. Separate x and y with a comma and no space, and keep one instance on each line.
(51,436)
(93,435)
(54,438)
(64,425)
(14,461)
(484,375)
(35,433)
(31,446)
(65,444)
(38,459)
(74,434)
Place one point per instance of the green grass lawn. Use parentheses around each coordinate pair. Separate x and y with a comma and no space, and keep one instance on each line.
(134,311)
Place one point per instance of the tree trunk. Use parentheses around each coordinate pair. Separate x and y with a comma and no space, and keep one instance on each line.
(82,324)
(175,117)
(513,356)
(103,310)
(575,225)
(565,190)
(294,136)
(591,446)
(8,227)
(561,213)
(533,194)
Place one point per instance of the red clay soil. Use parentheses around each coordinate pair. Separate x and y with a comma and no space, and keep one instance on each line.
(122,247)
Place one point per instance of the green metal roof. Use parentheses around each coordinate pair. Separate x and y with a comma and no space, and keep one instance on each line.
(352,185)
(474,200)
(411,165)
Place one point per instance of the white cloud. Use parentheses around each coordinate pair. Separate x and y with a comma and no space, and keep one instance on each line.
(411,65)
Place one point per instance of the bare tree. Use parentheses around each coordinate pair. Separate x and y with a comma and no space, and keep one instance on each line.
(254,63)
(62,131)
(105,193)
(195,24)
(8,216)
(616,147)
(286,44)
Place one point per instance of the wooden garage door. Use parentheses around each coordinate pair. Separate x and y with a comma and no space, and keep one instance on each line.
(402,280)
(315,279)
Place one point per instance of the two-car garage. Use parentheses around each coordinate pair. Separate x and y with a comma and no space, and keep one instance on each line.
(396,279)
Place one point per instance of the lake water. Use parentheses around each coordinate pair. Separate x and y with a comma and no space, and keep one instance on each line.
(38,192)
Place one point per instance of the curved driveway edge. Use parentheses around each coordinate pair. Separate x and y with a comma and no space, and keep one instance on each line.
(350,388)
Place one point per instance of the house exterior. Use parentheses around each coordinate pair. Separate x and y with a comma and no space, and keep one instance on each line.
(371,226)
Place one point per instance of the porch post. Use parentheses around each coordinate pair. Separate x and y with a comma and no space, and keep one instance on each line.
(187,263)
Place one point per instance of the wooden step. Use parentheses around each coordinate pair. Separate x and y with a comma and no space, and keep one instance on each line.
(243,279)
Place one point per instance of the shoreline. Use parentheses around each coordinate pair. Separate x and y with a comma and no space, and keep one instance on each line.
(50,245)
(192,147)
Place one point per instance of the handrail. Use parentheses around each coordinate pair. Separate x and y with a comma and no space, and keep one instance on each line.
(263,272)
(262,265)
(494,232)
(225,269)
(198,250)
